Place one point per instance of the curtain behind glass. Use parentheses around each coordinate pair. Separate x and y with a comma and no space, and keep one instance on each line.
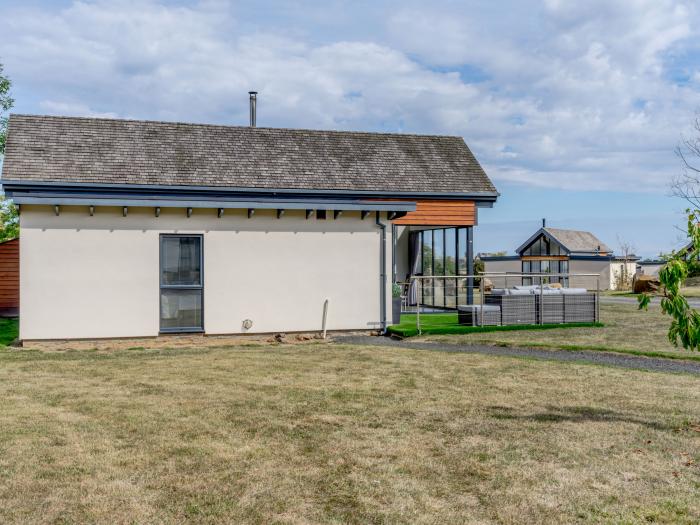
(181,261)
(415,268)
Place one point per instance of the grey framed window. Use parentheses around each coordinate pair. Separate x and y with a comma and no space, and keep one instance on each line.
(181,283)
(543,246)
(527,281)
(438,267)
(462,265)
(554,266)
(442,251)
(451,267)
(428,252)
(564,268)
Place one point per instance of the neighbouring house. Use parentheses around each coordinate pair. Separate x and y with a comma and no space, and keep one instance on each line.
(650,267)
(653,266)
(559,251)
(685,251)
(9,278)
(137,228)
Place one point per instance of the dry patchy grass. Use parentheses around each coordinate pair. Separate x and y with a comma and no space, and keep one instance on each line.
(341,434)
(691,291)
(626,328)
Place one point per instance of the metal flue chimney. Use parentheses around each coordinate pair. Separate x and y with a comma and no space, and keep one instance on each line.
(253,101)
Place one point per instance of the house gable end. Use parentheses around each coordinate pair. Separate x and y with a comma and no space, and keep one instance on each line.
(539,234)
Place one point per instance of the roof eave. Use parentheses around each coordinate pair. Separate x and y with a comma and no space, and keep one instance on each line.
(18,187)
(534,236)
(262,204)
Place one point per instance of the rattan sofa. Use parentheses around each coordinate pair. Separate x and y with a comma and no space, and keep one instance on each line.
(533,305)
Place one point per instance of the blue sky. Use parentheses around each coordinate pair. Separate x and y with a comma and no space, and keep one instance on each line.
(573,108)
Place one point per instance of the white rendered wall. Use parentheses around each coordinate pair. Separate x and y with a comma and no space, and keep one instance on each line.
(91,277)
(650,269)
(616,270)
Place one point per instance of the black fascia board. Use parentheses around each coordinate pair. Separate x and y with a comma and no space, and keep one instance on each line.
(98,190)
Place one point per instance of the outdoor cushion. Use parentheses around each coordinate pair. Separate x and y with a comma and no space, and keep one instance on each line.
(477,307)
(500,291)
(521,292)
(573,291)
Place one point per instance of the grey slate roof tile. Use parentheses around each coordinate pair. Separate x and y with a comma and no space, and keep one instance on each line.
(578,241)
(90,150)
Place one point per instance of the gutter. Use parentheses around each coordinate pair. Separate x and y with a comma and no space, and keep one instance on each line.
(485,198)
(382,273)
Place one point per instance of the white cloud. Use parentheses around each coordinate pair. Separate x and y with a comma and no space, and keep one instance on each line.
(596,109)
(73,110)
(561,94)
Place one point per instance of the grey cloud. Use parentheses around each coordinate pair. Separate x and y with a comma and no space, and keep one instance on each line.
(559,104)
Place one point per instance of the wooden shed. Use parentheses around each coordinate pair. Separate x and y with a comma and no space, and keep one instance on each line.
(9,278)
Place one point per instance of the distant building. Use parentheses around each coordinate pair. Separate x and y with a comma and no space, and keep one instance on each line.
(557,251)
(650,267)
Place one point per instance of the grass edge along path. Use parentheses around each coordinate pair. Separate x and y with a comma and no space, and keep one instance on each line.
(593,348)
(442,324)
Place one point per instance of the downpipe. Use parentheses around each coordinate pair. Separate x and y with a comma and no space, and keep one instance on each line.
(382,272)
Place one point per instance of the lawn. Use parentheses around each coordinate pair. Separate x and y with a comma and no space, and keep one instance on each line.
(625,329)
(448,323)
(323,433)
(691,291)
(9,330)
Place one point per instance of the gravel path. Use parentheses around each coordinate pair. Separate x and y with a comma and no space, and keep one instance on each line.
(617,299)
(653,364)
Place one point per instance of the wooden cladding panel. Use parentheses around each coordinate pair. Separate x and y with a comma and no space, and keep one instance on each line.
(9,274)
(440,213)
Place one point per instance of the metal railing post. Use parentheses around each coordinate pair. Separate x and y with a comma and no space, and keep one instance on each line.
(480,315)
(597,300)
(541,302)
(418,282)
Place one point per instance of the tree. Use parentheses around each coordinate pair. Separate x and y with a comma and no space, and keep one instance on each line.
(623,278)
(9,220)
(685,321)
(6,102)
(479,268)
(9,217)
(687,184)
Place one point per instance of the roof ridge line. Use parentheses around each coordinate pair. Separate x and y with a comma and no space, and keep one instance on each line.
(225,126)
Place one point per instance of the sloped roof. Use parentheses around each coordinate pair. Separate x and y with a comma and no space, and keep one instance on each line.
(90,150)
(573,241)
(578,241)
